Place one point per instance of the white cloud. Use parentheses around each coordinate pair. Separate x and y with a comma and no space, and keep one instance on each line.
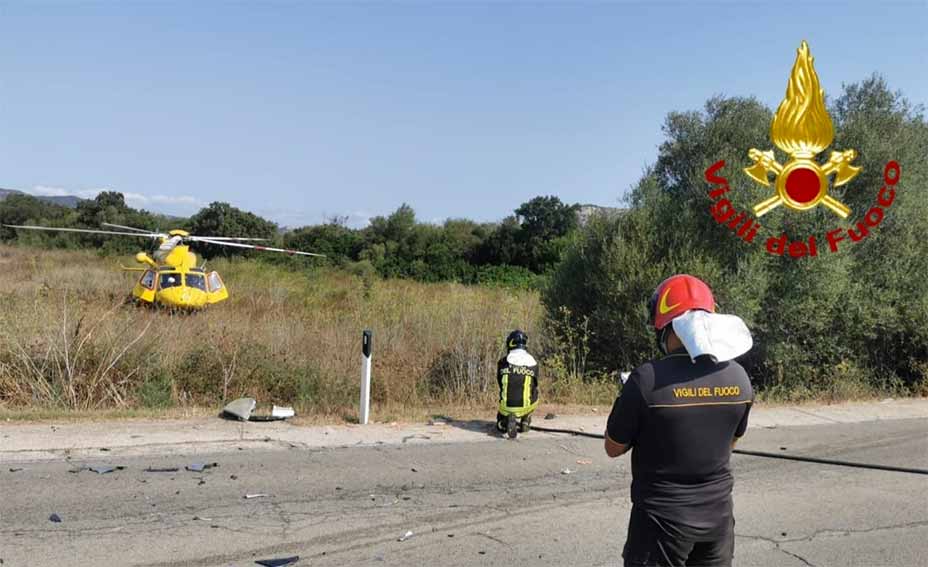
(48,191)
(136,200)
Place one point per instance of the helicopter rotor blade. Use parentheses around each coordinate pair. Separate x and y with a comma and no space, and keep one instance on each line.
(127,227)
(84,230)
(197,238)
(253,247)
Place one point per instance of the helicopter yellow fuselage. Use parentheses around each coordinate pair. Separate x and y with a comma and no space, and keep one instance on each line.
(175,281)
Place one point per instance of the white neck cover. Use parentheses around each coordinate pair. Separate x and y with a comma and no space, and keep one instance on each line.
(723,337)
(520,357)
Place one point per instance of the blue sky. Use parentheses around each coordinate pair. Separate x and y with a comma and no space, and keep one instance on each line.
(301,110)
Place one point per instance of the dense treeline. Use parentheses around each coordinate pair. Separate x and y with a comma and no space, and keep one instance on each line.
(840,324)
(516,252)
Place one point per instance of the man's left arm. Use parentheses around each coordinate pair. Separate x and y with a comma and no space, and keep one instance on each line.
(743,424)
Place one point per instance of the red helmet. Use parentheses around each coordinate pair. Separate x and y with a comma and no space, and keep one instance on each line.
(677,295)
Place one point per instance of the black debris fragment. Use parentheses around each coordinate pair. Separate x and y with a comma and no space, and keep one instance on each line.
(15,469)
(103,469)
(200,467)
(55,518)
(278,562)
(550,416)
(162,469)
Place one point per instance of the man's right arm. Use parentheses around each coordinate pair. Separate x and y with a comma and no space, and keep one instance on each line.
(622,426)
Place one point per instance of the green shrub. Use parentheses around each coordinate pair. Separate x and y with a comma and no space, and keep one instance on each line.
(840,325)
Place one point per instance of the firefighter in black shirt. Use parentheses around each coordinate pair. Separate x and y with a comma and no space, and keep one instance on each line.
(517,376)
(681,415)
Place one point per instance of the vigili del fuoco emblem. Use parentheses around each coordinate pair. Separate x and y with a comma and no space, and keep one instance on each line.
(803,129)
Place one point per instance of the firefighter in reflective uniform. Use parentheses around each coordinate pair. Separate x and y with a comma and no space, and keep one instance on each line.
(517,375)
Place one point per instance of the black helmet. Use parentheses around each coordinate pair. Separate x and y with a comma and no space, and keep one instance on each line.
(516,339)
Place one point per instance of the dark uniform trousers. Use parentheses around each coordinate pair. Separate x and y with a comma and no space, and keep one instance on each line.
(649,545)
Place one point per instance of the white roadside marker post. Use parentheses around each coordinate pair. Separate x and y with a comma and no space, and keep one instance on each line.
(366,344)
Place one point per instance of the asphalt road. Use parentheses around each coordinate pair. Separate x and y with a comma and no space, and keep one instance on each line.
(492,502)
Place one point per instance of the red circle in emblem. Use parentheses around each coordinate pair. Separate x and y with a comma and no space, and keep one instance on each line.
(802,185)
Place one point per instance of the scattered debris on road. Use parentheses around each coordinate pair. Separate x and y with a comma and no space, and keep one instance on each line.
(243,409)
(278,562)
(162,469)
(200,467)
(405,536)
(99,469)
(55,518)
(566,471)
(240,409)
(550,416)
(584,462)
(103,469)
(250,496)
(15,469)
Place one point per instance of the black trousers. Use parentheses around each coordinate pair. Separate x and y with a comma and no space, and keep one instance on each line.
(649,545)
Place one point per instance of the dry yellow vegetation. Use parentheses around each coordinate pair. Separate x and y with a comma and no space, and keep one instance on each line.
(70,342)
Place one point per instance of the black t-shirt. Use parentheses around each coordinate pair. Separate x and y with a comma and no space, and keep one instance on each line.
(680,417)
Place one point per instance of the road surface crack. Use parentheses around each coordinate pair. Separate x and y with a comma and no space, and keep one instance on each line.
(797,556)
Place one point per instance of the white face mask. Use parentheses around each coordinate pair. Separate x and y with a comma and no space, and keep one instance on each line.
(723,337)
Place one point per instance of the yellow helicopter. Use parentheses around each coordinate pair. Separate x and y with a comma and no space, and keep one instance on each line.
(172,278)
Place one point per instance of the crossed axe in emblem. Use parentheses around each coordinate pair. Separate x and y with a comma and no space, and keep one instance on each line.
(765,163)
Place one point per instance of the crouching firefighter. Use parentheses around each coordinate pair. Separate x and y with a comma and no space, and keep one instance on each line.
(681,415)
(517,376)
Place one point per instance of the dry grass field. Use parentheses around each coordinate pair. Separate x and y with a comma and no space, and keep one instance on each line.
(70,342)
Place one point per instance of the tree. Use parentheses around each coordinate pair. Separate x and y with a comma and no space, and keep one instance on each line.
(544,222)
(835,325)
(337,242)
(25,209)
(222,219)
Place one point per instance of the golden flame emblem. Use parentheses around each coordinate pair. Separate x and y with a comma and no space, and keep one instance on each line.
(802,128)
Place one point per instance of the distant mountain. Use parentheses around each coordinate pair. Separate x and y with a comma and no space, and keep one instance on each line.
(585,212)
(63,201)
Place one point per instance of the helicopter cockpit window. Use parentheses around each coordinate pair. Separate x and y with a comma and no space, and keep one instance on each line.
(169,280)
(196,280)
(215,284)
(148,279)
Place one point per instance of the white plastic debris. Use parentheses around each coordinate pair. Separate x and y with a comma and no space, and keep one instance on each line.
(406,536)
(241,408)
(250,496)
(282,412)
